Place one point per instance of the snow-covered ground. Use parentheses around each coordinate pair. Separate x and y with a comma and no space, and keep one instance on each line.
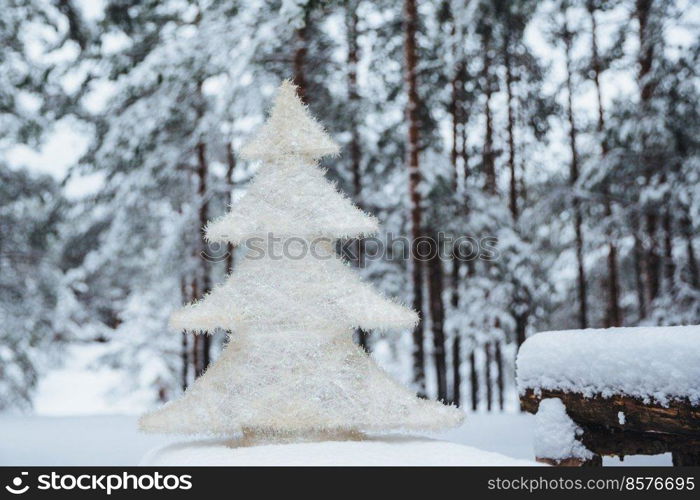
(115,440)
(76,424)
(85,386)
(373,450)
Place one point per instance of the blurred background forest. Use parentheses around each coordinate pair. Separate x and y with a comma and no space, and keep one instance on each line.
(568,130)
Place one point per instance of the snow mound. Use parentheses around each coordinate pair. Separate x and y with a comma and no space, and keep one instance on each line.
(650,363)
(556,433)
(372,451)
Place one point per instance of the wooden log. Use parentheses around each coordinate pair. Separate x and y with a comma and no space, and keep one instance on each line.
(686,457)
(595,461)
(623,443)
(679,417)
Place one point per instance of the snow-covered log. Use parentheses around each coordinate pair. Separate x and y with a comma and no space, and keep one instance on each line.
(631,390)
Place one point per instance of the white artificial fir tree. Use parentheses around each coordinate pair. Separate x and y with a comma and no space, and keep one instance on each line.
(291,305)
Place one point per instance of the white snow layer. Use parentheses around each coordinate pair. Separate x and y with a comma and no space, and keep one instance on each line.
(651,363)
(372,451)
(556,433)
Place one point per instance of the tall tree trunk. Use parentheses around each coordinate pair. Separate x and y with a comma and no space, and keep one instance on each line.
(513,191)
(500,382)
(414,179)
(202,173)
(196,339)
(638,263)
(299,60)
(456,366)
(573,177)
(653,259)
(354,146)
(488,153)
(647,86)
(231,166)
(437,321)
(520,328)
(464,153)
(694,273)
(184,354)
(457,115)
(458,118)
(473,380)
(487,377)
(613,313)
(669,268)
(454,112)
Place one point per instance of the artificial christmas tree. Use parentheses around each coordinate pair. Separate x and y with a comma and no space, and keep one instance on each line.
(290,367)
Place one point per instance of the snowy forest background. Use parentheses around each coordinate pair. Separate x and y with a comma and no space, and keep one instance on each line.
(567,130)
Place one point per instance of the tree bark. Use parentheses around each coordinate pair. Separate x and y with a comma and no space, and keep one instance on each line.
(202,172)
(488,153)
(437,319)
(353,96)
(573,178)
(473,380)
(414,179)
(354,146)
(456,374)
(652,263)
(196,339)
(299,60)
(687,225)
(637,259)
(487,377)
(613,313)
(458,120)
(513,191)
(454,112)
(520,328)
(500,382)
(669,267)
(647,86)
(231,166)
(184,354)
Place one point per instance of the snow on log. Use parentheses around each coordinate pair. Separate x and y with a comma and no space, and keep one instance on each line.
(677,417)
(654,365)
(557,436)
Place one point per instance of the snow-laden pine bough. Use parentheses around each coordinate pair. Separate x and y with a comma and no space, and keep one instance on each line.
(617,391)
(290,369)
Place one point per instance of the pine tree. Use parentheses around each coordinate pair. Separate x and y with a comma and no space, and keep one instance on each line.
(290,366)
